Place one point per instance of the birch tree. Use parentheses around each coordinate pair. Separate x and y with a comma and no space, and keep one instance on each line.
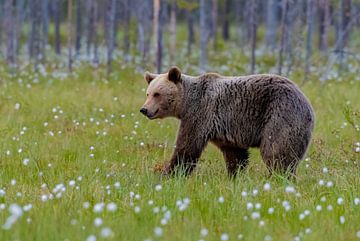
(205,32)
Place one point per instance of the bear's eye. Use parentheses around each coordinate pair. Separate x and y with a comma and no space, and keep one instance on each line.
(156,95)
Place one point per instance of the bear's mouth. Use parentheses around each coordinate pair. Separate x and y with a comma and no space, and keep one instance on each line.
(153,115)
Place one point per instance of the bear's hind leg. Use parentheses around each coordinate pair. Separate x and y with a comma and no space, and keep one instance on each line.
(235,158)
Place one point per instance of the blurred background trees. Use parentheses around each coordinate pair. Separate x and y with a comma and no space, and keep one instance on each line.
(159,33)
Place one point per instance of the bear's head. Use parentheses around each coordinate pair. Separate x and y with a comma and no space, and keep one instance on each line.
(163,95)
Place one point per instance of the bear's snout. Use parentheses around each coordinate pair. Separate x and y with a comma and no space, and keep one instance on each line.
(143,111)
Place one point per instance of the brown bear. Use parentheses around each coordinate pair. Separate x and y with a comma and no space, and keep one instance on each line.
(234,113)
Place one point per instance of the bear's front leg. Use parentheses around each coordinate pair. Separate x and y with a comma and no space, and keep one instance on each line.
(189,146)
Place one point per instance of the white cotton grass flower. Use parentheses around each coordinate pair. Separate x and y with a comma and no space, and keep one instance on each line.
(137,209)
(357,201)
(221,199)
(267,186)
(26,161)
(17,106)
(289,189)
(106,232)
(204,232)
(158,231)
(111,207)
(271,210)
(358,234)
(2,192)
(98,207)
(98,222)
(340,201)
(224,237)
(15,213)
(158,188)
(342,219)
(91,238)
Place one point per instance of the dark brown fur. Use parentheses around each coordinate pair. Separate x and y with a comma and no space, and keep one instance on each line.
(236,113)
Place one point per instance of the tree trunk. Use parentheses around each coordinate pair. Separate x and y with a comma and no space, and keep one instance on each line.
(283,34)
(143,16)
(205,31)
(10,26)
(70,33)
(226,24)
(158,34)
(190,26)
(214,13)
(110,13)
(309,26)
(57,16)
(345,21)
(271,23)
(324,23)
(45,24)
(173,31)
(253,21)
(79,27)
(127,17)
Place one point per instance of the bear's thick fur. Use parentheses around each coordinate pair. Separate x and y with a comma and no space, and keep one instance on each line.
(234,113)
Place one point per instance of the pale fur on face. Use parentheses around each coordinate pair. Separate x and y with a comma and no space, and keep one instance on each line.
(163,96)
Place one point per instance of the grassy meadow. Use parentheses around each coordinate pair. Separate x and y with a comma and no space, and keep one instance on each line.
(77,159)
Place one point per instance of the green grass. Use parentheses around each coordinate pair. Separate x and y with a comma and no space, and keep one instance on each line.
(62,120)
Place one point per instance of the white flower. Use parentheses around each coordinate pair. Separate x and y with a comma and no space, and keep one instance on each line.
(17,106)
(329,207)
(267,186)
(224,237)
(98,207)
(244,193)
(98,222)
(258,205)
(117,185)
(321,182)
(340,201)
(342,219)
(358,234)
(255,215)
(158,187)
(357,201)
(221,199)
(106,232)
(329,184)
(26,161)
(137,209)
(249,206)
(2,192)
(111,207)
(290,189)
(204,232)
(91,238)
(271,210)
(325,170)
(158,231)
(86,205)
(318,208)
(71,183)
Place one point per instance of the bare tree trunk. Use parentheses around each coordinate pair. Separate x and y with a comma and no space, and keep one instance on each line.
(291,18)
(324,23)
(79,27)
(173,31)
(95,34)
(190,26)
(70,33)
(45,18)
(309,25)
(271,23)
(283,34)
(205,31)
(214,21)
(253,21)
(10,26)
(158,34)
(143,16)
(226,23)
(35,49)
(345,20)
(57,14)
(111,11)
(127,17)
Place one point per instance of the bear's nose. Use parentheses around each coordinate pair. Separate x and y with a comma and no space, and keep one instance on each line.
(143,111)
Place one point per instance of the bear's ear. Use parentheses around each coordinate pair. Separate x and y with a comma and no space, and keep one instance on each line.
(149,77)
(174,74)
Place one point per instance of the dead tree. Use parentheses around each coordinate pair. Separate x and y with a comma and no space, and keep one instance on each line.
(253,21)
(214,14)
(143,9)
(172,29)
(226,20)
(271,23)
(324,23)
(284,7)
(110,22)
(57,18)
(309,29)
(70,33)
(205,32)
(79,26)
